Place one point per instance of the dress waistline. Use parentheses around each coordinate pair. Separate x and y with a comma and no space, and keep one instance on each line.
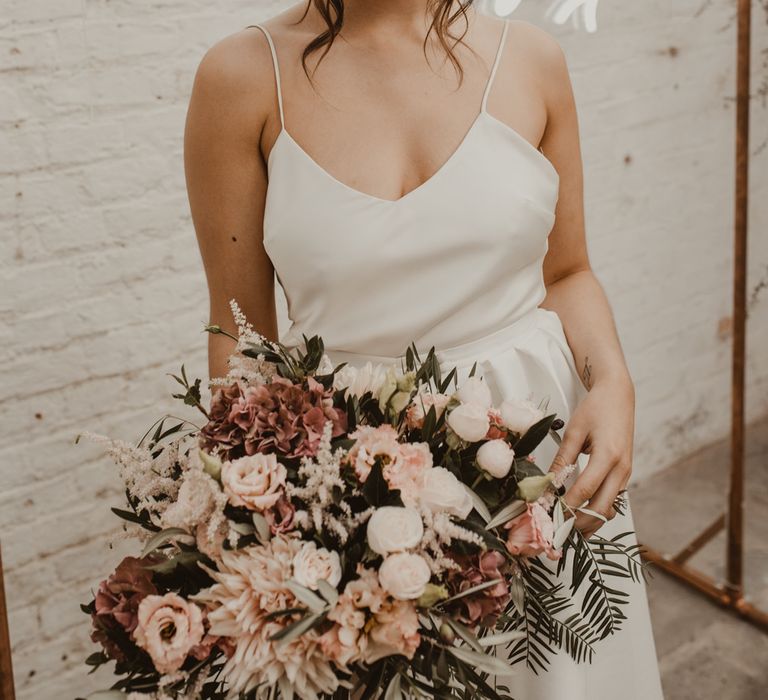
(463,354)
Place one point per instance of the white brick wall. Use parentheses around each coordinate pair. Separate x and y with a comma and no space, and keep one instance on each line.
(103,290)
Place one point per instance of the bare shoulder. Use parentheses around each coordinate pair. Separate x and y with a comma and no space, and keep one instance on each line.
(545,57)
(235,77)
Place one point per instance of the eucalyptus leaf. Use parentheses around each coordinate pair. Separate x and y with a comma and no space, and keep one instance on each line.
(394,689)
(562,532)
(588,511)
(313,601)
(107,695)
(493,640)
(263,533)
(474,589)
(327,591)
(479,504)
(288,634)
(164,537)
(483,662)
(507,513)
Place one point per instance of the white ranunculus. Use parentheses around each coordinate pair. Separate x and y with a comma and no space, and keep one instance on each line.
(519,415)
(443,492)
(359,380)
(312,564)
(475,390)
(394,529)
(496,457)
(404,576)
(469,421)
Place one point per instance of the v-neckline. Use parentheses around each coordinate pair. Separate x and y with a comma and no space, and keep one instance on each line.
(445,166)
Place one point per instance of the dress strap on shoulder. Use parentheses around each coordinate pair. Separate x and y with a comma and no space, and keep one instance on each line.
(276,66)
(496,61)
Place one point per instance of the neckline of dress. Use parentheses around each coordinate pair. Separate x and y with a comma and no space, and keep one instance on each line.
(483,113)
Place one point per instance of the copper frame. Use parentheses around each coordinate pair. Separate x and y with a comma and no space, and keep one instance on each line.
(731,593)
(6,666)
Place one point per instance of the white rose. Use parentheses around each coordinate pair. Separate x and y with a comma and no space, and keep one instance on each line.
(394,529)
(519,415)
(469,421)
(404,575)
(255,482)
(475,390)
(311,565)
(496,458)
(359,380)
(442,491)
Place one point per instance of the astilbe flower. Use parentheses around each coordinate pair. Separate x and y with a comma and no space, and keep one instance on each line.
(320,483)
(280,417)
(249,584)
(486,606)
(151,482)
(117,603)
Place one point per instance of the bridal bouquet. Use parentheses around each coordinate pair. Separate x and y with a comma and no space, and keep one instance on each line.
(349,531)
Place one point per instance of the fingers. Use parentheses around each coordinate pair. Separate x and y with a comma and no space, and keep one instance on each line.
(570,447)
(602,502)
(596,488)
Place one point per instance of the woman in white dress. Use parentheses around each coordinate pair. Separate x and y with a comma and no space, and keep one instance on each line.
(418,189)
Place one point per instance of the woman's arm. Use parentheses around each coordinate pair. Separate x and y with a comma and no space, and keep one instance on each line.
(232,98)
(603,423)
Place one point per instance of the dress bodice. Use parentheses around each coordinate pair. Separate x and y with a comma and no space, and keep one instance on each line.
(450,261)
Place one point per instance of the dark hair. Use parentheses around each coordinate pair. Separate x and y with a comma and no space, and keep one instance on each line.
(443,17)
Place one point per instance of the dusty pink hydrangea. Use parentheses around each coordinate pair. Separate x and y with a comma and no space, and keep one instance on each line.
(117,603)
(280,417)
(486,606)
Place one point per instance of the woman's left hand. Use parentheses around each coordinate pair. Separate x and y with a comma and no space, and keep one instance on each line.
(603,427)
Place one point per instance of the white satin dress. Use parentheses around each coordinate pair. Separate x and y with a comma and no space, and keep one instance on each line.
(456,264)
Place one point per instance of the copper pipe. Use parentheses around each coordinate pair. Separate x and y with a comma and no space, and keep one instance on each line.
(699,541)
(735,520)
(702,583)
(6,665)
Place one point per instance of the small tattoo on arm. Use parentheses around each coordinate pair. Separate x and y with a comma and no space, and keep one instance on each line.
(586,374)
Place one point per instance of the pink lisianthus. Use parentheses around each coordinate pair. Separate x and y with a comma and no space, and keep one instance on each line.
(404,464)
(485,606)
(420,405)
(408,471)
(531,534)
(168,629)
(395,630)
(117,603)
(281,516)
(280,417)
(372,443)
(497,429)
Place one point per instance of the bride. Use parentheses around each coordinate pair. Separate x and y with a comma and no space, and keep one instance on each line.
(410,171)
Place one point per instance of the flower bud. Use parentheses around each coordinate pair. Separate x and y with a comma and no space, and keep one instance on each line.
(533,487)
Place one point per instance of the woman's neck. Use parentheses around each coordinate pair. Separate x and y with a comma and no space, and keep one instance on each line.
(378,20)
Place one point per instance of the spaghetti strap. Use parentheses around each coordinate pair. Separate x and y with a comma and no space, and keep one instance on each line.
(495,66)
(276,66)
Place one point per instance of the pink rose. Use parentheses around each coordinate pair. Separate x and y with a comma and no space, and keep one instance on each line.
(255,482)
(169,628)
(531,534)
